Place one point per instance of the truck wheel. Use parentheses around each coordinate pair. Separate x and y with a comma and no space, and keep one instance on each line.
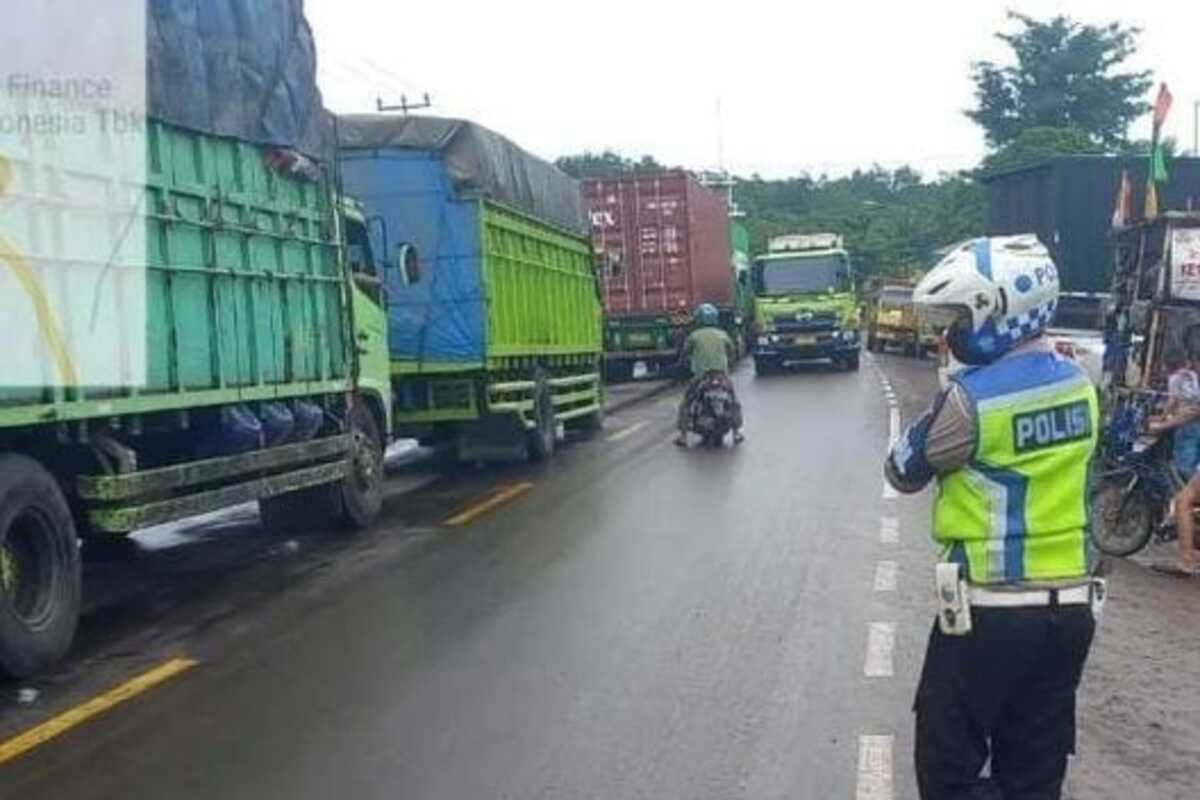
(765,366)
(361,492)
(40,581)
(850,362)
(542,437)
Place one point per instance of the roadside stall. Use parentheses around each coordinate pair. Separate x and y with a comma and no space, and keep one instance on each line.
(1152,330)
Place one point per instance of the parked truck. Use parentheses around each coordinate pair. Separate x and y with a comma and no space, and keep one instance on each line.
(251,384)
(662,247)
(894,321)
(493,321)
(805,303)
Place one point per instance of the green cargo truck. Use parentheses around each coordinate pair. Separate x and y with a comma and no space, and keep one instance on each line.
(486,283)
(249,391)
(805,304)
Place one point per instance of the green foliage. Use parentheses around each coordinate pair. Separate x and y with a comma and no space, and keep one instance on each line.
(1065,78)
(1033,145)
(893,222)
(604,164)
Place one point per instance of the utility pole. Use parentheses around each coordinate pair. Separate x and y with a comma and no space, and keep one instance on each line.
(404,106)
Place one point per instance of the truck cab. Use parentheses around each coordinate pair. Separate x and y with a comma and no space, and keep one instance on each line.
(805,303)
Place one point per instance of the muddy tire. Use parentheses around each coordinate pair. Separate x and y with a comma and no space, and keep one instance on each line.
(765,366)
(361,492)
(40,579)
(542,438)
(1122,520)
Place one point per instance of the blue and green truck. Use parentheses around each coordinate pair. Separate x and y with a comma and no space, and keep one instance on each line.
(480,251)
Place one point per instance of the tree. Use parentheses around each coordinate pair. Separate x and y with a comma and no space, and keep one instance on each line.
(605,163)
(1066,76)
(1037,144)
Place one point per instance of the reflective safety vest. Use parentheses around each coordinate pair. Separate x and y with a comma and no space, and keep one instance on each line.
(1018,511)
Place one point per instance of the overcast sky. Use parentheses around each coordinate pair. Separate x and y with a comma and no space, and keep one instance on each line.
(802,86)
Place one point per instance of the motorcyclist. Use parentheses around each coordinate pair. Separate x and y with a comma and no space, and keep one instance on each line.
(707,349)
(1009,441)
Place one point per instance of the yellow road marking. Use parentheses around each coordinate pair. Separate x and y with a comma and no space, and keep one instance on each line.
(483,506)
(41,306)
(40,734)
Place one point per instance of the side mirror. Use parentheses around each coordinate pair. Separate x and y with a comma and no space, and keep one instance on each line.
(408,265)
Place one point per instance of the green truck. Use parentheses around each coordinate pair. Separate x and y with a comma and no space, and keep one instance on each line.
(486,280)
(253,387)
(805,303)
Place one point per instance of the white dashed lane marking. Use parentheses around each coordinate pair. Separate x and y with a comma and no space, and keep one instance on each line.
(875,777)
(881,640)
(889,530)
(885,576)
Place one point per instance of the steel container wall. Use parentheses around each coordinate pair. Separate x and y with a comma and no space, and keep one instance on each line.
(1068,202)
(661,243)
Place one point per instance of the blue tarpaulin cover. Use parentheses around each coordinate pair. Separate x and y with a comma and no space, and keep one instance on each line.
(421,179)
(238,68)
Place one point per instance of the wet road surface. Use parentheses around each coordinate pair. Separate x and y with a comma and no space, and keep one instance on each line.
(641,622)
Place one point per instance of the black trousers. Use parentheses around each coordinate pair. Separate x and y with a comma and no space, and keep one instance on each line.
(1006,691)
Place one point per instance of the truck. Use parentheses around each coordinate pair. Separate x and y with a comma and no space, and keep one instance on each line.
(662,247)
(739,254)
(805,303)
(1067,201)
(893,320)
(253,388)
(486,289)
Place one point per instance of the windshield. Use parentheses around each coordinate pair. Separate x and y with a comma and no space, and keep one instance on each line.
(1079,313)
(802,275)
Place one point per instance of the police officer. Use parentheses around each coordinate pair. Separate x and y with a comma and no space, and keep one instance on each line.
(1008,441)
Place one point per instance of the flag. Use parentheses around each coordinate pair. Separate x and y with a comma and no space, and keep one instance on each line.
(1158,164)
(1123,208)
(1157,168)
(1161,106)
(1151,200)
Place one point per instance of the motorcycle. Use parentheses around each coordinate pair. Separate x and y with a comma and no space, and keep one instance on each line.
(1131,498)
(712,412)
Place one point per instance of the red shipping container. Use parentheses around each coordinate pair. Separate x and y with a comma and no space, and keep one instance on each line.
(661,243)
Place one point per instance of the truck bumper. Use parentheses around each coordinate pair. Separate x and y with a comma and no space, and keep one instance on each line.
(791,351)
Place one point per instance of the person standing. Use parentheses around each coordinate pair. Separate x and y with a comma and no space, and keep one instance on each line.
(1181,417)
(1009,442)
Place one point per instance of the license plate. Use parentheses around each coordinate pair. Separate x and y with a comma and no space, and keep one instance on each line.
(806,340)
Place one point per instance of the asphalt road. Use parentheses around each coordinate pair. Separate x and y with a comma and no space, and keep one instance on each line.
(636,621)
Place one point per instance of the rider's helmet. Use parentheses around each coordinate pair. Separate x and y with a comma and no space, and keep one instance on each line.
(991,294)
(707,315)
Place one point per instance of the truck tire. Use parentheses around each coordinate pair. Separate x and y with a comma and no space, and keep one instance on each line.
(542,437)
(40,577)
(765,366)
(850,361)
(361,492)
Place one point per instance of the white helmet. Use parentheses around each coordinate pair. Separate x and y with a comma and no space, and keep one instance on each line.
(993,293)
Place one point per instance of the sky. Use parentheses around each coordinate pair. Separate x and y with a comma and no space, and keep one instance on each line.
(777,88)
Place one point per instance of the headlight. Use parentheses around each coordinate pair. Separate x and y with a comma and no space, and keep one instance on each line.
(849,335)
(764,340)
